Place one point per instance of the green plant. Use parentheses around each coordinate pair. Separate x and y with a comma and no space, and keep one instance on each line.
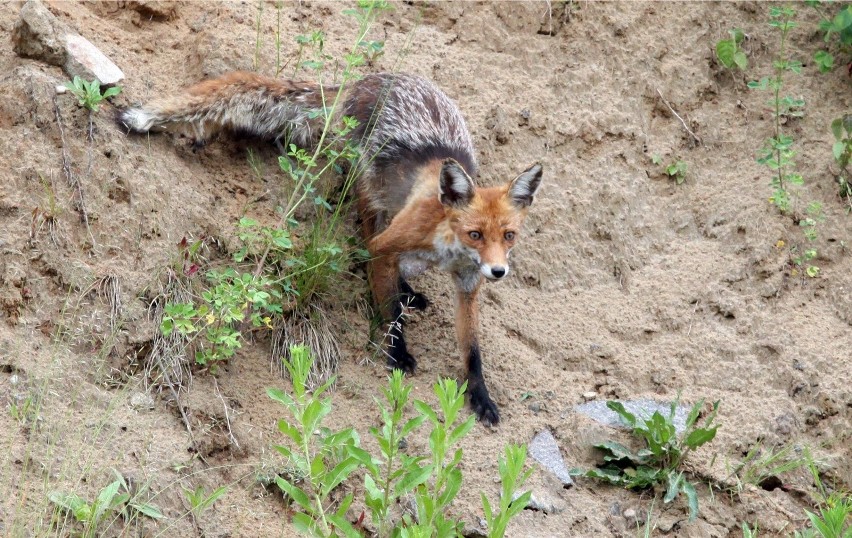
(89,93)
(840,25)
(659,461)
(321,461)
(676,169)
(777,153)
(395,474)
(762,464)
(512,477)
(728,51)
(112,499)
(833,520)
(748,532)
(200,501)
(841,128)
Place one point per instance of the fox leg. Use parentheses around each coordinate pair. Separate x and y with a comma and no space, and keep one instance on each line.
(415,300)
(467,326)
(384,282)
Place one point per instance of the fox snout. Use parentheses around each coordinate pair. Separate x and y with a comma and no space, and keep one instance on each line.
(494,272)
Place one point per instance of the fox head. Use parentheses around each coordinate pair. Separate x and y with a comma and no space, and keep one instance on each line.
(487,221)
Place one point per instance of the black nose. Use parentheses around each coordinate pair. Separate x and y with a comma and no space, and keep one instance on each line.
(498,272)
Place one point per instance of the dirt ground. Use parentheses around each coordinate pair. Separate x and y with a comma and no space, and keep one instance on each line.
(625,283)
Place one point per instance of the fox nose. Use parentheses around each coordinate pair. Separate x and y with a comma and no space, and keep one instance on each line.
(498,272)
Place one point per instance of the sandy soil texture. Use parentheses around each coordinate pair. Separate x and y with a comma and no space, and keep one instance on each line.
(625,284)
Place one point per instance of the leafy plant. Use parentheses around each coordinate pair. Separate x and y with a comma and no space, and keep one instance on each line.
(841,128)
(840,25)
(321,460)
(512,477)
(748,532)
(728,51)
(777,153)
(200,501)
(676,169)
(89,93)
(395,474)
(833,520)
(659,461)
(113,498)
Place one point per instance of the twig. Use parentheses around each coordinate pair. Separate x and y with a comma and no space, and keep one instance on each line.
(227,417)
(685,126)
(69,174)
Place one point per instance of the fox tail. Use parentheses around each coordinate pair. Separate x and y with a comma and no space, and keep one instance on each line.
(240,102)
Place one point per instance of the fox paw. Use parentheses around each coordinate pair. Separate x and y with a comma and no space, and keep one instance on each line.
(484,407)
(402,361)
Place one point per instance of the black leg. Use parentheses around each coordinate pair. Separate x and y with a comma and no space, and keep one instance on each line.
(398,356)
(411,298)
(480,400)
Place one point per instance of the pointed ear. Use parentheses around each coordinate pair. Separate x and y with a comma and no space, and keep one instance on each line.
(455,186)
(523,188)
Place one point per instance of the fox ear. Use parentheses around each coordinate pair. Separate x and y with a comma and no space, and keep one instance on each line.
(523,188)
(455,186)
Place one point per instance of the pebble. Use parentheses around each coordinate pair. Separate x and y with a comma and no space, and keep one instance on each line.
(40,35)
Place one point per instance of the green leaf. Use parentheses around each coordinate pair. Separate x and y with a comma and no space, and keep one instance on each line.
(343,525)
(111,92)
(725,50)
(691,498)
(700,436)
(294,493)
(837,149)
(617,451)
(337,475)
(412,479)
(740,59)
(673,489)
(461,430)
(427,411)
(304,524)
(618,407)
(824,61)
(148,510)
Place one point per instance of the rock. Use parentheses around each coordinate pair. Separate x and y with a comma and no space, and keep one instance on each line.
(38,34)
(629,514)
(589,396)
(142,401)
(643,409)
(545,450)
(545,494)
(158,10)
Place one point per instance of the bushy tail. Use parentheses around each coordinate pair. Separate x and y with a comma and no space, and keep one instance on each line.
(241,102)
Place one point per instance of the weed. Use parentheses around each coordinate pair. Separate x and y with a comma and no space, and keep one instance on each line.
(512,477)
(841,128)
(728,51)
(321,460)
(676,169)
(762,465)
(89,93)
(840,25)
(748,532)
(112,499)
(833,519)
(200,501)
(659,461)
(777,153)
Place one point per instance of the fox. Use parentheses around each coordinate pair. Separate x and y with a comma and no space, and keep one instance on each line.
(417,201)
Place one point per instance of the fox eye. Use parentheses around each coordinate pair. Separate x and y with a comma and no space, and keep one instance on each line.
(476,236)
(509,236)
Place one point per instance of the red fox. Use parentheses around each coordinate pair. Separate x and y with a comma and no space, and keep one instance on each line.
(416,198)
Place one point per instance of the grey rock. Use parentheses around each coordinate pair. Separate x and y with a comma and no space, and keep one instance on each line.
(38,34)
(142,401)
(544,500)
(643,409)
(545,450)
